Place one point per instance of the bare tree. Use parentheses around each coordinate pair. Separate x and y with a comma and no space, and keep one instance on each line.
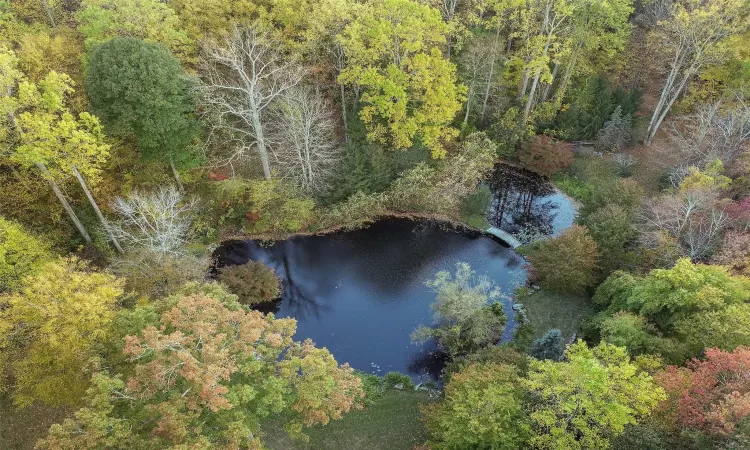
(157,223)
(304,132)
(240,81)
(692,34)
(713,132)
(692,218)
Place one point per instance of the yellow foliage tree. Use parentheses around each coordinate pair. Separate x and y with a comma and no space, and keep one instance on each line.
(50,329)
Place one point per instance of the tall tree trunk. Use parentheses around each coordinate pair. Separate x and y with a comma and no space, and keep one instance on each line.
(530,100)
(48,10)
(96,209)
(665,110)
(343,107)
(64,202)
(548,86)
(490,76)
(176,175)
(468,105)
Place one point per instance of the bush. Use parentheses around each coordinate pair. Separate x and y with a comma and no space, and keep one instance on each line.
(393,379)
(565,263)
(253,282)
(545,155)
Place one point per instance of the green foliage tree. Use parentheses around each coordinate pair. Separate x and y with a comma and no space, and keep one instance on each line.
(465,320)
(253,282)
(139,90)
(565,263)
(205,371)
(550,346)
(52,327)
(394,54)
(688,307)
(580,403)
(21,254)
(592,105)
(612,229)
(151,20)
(482,407)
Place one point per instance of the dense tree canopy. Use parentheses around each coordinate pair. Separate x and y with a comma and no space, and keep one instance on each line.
(204,372)
(589,397)
(677,311)
(50,330)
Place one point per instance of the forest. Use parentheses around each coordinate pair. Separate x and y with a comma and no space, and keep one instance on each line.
(207,205)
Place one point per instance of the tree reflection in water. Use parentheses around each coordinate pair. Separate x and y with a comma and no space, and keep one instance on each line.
(524,203)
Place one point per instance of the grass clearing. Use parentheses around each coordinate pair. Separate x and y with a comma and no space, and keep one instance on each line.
(21,428)
(392,423)
(548,310)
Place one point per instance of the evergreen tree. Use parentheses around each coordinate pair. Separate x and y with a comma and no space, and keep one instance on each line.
(138,89)
(616,133)
(550,346)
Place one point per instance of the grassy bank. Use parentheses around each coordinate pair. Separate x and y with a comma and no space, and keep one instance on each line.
(392,423)
(547,310)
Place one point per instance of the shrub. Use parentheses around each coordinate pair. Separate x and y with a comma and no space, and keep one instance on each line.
(565,263)
(253,282)
(545,155)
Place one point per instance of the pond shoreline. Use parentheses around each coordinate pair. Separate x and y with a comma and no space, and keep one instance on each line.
(441,219)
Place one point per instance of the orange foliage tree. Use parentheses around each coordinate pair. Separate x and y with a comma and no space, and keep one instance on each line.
(712,395)
(545,155)
(204,375)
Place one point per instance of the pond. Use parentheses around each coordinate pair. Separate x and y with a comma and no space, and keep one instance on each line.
(527,205)
(361,293)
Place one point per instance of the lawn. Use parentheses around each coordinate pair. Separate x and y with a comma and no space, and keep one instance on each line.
(392,423)
(20,429)
(547,310)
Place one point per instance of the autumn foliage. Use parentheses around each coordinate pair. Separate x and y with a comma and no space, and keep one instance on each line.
(567,262)
(711,395)
(545,155)
(208,371)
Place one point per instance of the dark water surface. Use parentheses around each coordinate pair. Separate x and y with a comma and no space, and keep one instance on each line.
(362,293)
(527,205)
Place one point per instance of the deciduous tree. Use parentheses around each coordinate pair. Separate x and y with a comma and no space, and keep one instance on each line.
(151,20)
(583,401)
(21,254)
(304,133)
(693,34)
(711,394)
(545,155)
(565,263)
(50,329)
(241,80)
(394,53)
(467,315)
(482,407)
(206,373)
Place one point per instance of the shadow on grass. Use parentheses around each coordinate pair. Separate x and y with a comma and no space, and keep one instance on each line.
(549,310)
(392,423)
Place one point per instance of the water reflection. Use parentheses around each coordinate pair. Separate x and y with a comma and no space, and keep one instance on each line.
(527,205)
(362,293)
